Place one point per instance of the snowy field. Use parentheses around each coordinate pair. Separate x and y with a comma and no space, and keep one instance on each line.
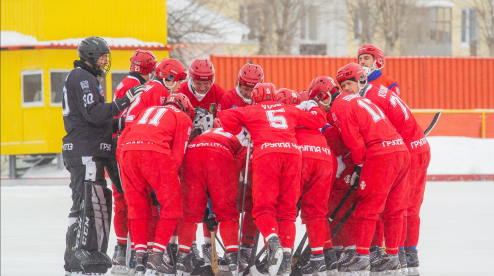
(456,238)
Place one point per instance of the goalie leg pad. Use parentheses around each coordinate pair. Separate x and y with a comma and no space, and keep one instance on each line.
(90,261)
(70,241)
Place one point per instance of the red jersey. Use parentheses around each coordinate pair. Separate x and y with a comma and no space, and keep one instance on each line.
(124,86)
(364,127)
(272,125)
(164,129)
(209,101)
(154,94)
(312,144)
(378,78)
(335,142)
(400,116)
(224,143)
(232,99)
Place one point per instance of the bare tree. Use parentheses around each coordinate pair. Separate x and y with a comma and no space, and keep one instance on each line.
(362,19)
(392,19)
(485,12)
(275,23)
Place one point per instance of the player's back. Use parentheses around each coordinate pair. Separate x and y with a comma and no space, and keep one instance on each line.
(154,94)
(398,113)
(379,78)
(220,141)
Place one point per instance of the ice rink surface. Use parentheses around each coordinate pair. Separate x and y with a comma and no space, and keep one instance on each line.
(457,234)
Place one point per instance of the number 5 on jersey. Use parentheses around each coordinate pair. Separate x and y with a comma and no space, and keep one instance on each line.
(277,121)
(156,118)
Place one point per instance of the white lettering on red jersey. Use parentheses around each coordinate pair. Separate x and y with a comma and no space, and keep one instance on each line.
(154,94)
(363,127)
(271,125)
(398,113)
(164,129)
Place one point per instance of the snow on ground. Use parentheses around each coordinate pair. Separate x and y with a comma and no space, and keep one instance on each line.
(450,155)
(456,234)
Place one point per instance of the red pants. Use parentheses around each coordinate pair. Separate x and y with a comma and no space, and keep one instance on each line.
(315,185)
(206,171)
(383,189)
(417,178)
(120,222)
(143,171)
(275,190)
(346,235)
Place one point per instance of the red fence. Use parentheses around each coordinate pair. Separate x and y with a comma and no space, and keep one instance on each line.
(425,82)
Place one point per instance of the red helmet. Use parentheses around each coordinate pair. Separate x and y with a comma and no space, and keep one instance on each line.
(351,71)
(171,69)
(303,95)
(182,102)
(202,70)
(142,62)
(250,75)
(287,96)
(321,88)
(375,52)
(263,92)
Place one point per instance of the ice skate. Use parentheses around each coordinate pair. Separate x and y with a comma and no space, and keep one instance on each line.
(412,262)
(245,251)
(196,257)
(207,253)
(132,263)
(331,262)
(353,264)
(390,265)
(315,267)
(275,255)
(158,264)
(376,255)
(119,266)
(230,266)
(184,263)
(140,262)
(286,265)
(403,262)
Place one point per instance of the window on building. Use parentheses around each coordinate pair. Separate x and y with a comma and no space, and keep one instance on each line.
(440,25)
(57,82)
(308,24)
(469,27)
(32,88)
(116,78)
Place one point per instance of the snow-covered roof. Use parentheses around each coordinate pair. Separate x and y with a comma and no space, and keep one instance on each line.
(435,3)
(14,40)
(223,29)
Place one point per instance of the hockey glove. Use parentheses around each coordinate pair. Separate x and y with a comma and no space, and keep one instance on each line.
(355,179)
(306,105)
(135,91)
(154,199)
(210,222)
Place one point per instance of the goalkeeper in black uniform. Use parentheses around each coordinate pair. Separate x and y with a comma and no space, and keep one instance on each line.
(89,123)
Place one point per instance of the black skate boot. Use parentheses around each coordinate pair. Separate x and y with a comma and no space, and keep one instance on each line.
(173,252)
(230,265)
(119,260)
(140,263)
(275,255)
(412,262)
(132,263)
(315,267)
(353,264)
(390,265)
(245,251)
(403,262)
(286,265)
(376,255)
(339,252)
(331,262)
(158,264)
(207,253)
(196,257)
(184,263)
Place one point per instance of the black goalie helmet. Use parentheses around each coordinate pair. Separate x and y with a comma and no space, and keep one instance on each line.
(91,49)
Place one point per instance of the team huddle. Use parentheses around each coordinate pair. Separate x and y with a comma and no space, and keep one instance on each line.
(347,156)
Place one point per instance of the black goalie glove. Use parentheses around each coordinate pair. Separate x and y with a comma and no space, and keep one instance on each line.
(211,223)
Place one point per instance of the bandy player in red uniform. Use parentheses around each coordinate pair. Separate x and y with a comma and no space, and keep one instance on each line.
(200,180)
(142,64)
(200,88)
(240,96)
(382,164)
(315,185)
(156,139)
(413,136)
(276,166)
(372,59)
